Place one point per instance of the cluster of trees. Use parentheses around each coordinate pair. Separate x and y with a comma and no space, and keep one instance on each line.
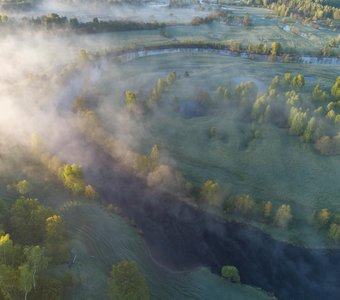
(70,175)
(243,91)
(242,205)
(127,282)
(88,123)
(315,118)
(149,167)
(335,42)
(327,51)
(73,178)
(160,88)
(208,19)
(54,21)
(146,104)
(222,15)
(23,187)
(319,123)
(145,164)
(245,207)
(274,48)
(311,9)
(242,95)
(329,222)
(39,240)
(229,18)
(310,117)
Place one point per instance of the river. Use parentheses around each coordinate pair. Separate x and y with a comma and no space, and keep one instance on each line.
(180,236)
(129,55)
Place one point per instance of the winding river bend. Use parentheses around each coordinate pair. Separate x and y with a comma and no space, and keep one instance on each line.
(182,237)
(128,55)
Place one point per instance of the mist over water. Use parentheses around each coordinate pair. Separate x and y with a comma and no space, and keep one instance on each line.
(181,237)
(86,11)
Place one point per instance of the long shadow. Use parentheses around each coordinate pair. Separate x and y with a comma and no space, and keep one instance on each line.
(181,237)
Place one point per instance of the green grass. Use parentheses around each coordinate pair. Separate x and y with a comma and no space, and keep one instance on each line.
(100,240)
(308,40)
(275,166)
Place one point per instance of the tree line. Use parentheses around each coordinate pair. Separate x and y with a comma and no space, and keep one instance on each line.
(247,208)
(32,239)
(53,21)
(137,102)
(314,117)
(149,166)
(311,9)
(286,103)
(222,16)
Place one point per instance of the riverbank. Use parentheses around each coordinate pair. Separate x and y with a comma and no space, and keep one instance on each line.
(180,236)
(127,54)
(309,236)
(101,239)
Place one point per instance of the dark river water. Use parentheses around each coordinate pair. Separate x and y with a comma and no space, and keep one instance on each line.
(182,237)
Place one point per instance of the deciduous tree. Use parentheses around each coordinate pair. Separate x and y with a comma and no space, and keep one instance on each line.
(283,215)
(276,48)
(127,283)
(335,91)
(25,279)
(324,216)
(27,220)
(211,192)
(231,273)
(23,187)
(334,232)
(36,260)
(267,209)
(8,282)
(90,192)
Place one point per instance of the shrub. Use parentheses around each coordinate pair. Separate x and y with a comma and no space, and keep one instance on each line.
(231,273)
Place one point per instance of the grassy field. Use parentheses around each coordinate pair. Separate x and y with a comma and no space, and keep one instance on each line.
(291,33)
(100,240)
(275,166)
(86,12)
(308,40)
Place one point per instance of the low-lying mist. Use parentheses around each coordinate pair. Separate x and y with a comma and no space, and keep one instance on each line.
(86,11)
